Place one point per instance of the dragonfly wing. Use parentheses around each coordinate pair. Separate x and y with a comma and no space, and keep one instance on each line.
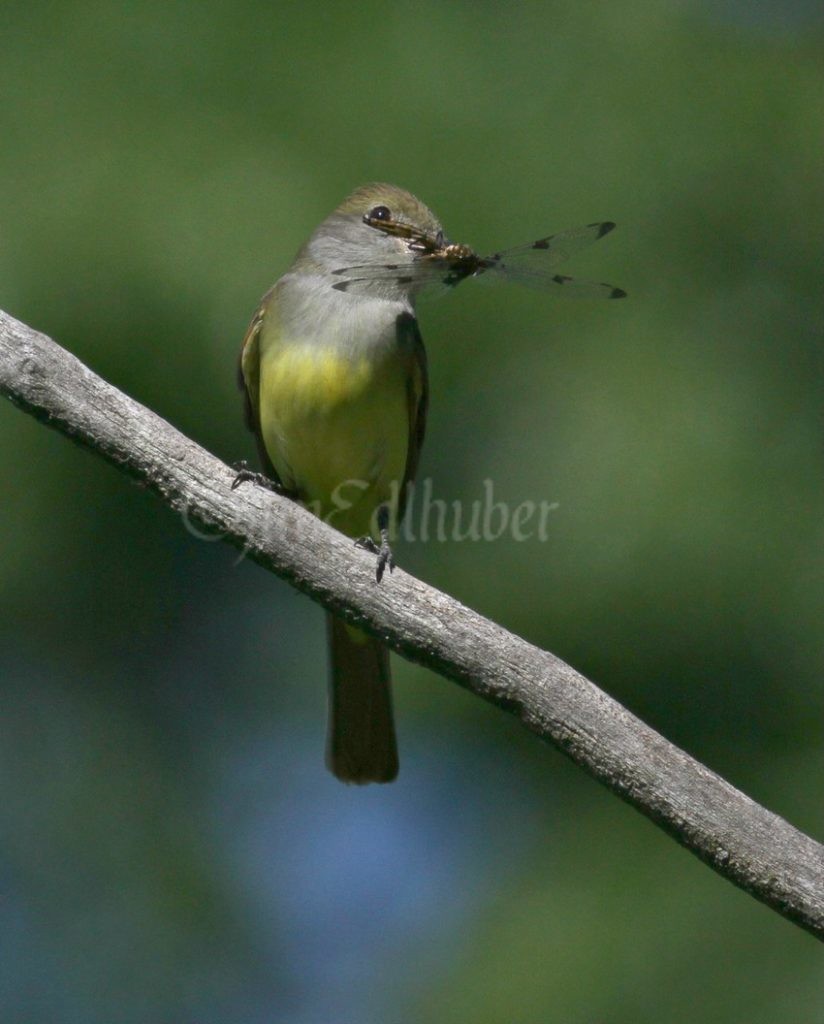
(556,249)
(533,264)
(373,278)
(570,287)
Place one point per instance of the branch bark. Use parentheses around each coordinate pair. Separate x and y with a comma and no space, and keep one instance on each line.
(738,838)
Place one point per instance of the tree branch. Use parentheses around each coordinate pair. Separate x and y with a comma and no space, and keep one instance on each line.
(744,842)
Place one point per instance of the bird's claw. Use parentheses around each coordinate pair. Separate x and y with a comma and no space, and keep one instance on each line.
(245,475)
(383,552)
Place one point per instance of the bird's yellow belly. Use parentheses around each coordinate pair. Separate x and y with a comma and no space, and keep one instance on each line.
(336,428)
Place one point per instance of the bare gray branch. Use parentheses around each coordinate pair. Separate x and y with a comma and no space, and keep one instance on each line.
(744,842)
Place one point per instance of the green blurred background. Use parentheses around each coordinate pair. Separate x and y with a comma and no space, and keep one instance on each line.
(172,847)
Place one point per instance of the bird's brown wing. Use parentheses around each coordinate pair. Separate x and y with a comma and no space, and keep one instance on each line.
(417,393)
(249,383)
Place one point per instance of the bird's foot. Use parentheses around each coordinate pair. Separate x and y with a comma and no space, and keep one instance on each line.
(246,475)
(382,550)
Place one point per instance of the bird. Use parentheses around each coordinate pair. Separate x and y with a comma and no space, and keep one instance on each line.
(333,371)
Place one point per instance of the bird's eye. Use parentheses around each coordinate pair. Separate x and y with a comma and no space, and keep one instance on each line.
(379,213)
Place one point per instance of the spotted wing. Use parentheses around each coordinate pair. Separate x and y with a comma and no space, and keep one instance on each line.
(426,271)
(534,264)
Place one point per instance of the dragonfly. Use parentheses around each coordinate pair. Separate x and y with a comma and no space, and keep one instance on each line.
(438,262)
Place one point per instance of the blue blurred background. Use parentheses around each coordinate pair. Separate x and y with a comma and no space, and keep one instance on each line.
(172,848)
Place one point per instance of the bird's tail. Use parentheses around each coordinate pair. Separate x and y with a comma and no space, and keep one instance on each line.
(361,743)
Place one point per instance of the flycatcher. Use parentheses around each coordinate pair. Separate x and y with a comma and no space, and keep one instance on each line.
(334,375)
